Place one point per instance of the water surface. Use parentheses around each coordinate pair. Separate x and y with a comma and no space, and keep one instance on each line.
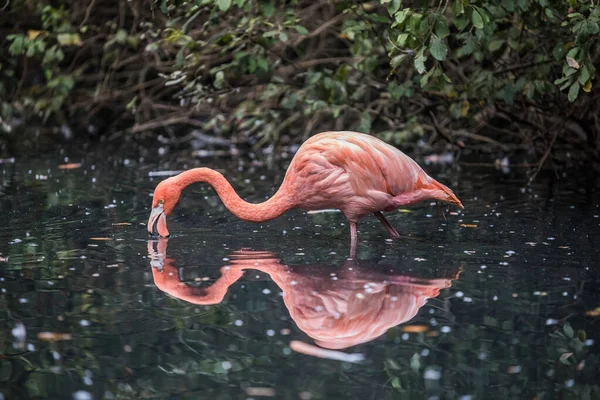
(490,302)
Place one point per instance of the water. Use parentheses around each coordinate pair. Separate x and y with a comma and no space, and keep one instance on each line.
(486,303)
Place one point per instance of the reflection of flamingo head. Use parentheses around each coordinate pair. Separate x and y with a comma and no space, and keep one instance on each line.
(361,304)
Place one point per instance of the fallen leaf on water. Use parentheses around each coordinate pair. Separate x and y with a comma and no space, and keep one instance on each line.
(415,328)
(54,336)
(101,238)
(468,225)
(593,313)
(121,223)
(404,210)
(69,166)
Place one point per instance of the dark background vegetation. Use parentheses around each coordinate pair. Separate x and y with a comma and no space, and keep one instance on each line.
(511,78)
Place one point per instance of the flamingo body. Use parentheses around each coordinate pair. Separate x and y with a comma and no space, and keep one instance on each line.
(353,172)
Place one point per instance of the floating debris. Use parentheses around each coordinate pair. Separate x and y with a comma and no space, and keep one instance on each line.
(593,313)
(404,210)
(54,336)
(121,224)
(468,225)
(260,391)
(69,166)
(163,173)
(415,328)
(320,352)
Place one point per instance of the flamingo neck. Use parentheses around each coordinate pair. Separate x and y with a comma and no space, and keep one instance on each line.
(272,208)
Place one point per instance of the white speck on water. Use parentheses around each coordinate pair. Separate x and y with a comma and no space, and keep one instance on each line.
(87,381)
(469,252)
(56,355)
(565,294)
(225,259)
(266,291)
(468,300)
(425,352)
(495,298)
(428,215)
(226,365)
(589,342)
(23,300)
(551,321)
(483,267)
(19,332)
(459,294)
(510,252)
(432,374)
(82,395)
(503,263)
(566,278)
(270,332)
(514,369)
(30,346)
(445,329)
(84,322)
(286,351)
(569,383)
(127,348)
(419,259)
(405,336)
(550,238)
(238,322)
(482,355)
(285,332)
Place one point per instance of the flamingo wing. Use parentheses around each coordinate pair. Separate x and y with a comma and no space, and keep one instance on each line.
(356,170)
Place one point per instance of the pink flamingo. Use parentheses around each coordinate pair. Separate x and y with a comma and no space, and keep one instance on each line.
(353,172)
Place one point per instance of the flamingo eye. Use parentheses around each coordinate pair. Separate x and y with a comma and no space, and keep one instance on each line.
(161,201)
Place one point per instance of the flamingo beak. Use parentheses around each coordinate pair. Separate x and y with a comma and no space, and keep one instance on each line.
(157,223)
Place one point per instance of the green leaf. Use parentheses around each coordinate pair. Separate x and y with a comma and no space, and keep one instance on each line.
(365,123)
(567,327)
(402,15)
(508,5)
(69,39)
(458,7)
(496,44)
(224,5)
(420,63)
(397,60)
(441,27)
(394,6)
(402,39)
(573,93)
(268,9)
(438,48)
(476,19)
(301,30)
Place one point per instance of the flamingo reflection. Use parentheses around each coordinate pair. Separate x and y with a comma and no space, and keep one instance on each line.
(338,307)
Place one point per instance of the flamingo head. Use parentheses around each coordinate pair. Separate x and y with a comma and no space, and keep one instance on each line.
(166,196)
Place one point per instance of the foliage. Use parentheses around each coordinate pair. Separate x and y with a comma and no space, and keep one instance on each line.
(274,72)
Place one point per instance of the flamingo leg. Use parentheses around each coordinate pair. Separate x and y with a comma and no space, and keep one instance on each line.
(353,239)
(387,224)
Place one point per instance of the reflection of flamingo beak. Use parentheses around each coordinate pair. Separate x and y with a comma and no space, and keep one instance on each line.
(157,223)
